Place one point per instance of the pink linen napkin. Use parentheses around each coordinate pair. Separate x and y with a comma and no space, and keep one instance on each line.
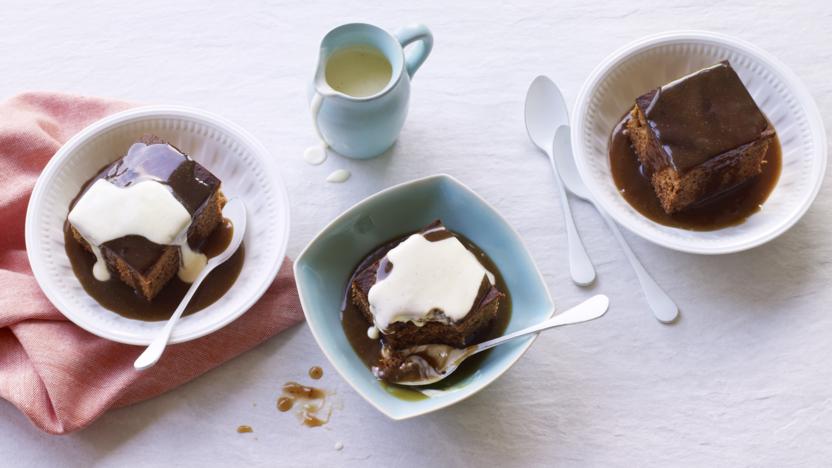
(61,377)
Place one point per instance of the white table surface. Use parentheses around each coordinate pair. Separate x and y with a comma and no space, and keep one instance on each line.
(743,379)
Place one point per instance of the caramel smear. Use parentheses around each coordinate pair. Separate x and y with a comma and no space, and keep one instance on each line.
(244,429)
(284,403)
(310,401)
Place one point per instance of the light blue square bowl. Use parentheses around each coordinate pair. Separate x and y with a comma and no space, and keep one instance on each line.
(323,269)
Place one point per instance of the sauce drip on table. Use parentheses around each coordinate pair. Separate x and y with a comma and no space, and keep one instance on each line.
(316,372)
(312,401)
(285,403)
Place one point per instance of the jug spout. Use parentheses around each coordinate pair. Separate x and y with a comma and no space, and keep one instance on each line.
(319,84)
(320,90)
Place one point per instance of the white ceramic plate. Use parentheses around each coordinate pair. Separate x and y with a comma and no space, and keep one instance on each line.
(651,62)
(243,164)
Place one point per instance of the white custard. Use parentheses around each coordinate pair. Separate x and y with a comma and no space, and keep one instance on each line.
(338,176)
(358,71)
(192,262)
(315,107)
(427,276)
(106,212)
(315,154)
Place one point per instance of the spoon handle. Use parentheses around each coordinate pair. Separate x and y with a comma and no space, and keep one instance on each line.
(580,267)
(663,307)
(590,309)
(153,353)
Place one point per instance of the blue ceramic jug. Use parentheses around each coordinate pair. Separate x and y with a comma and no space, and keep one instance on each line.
(366,126)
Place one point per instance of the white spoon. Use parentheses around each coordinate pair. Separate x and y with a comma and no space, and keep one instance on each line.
(545,112)
(663,307)
(235,211)
(445,359)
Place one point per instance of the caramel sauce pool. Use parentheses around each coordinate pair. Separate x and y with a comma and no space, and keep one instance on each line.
(729,209)
(355,327)
(121,299)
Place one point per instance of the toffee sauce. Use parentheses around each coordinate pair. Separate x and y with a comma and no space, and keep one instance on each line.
(727,209)
(123,300)
(316,372)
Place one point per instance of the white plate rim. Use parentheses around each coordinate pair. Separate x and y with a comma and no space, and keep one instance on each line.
(795,86)
(35,253)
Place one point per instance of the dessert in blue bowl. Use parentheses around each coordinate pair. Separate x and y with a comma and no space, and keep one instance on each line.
(325,272)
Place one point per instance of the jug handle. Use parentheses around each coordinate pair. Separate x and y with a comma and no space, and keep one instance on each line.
(417,56)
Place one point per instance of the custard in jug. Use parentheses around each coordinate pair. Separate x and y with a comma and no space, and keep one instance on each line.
(358,71)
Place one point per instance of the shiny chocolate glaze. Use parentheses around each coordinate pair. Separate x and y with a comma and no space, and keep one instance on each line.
(151,158)
(702,115)
(729,208)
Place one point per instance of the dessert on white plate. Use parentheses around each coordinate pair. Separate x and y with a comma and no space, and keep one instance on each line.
(653,61)
(146,216)
(247,171)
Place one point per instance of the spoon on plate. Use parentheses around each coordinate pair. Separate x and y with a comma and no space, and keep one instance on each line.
(435,362)
(234,211)
(542,120)
(544,90)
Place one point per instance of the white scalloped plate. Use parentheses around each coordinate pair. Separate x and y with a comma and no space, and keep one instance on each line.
(246,169)
(650,62)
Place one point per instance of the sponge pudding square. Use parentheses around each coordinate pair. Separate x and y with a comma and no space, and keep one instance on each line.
(141,264)
(699,136)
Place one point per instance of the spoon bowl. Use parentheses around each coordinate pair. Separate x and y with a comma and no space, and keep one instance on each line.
(235,211)
(545,112)
(433,363)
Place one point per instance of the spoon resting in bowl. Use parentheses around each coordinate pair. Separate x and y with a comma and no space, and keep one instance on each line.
(427,364)
(234,211)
